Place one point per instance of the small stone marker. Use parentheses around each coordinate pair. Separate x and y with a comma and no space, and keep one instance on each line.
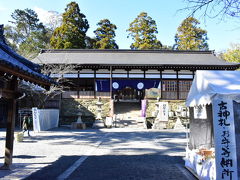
(178,124)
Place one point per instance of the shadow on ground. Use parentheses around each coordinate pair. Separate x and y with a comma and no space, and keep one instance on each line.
(130,167)
(116,167)
(55,169)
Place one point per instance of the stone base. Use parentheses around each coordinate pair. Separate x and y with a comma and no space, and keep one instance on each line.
(98,124)
(159,125)
(77,125)
(109,122)
(141,119)
(141,122)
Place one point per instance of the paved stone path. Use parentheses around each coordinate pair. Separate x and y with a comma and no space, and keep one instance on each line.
(119,154)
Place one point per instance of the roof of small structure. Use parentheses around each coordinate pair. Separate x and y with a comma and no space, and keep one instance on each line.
(132,58)
(14,64)
(207,84)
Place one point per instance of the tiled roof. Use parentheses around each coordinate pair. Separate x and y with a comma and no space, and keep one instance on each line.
(130,57)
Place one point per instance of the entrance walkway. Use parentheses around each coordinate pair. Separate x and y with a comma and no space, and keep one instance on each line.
(106,154)
(128,114)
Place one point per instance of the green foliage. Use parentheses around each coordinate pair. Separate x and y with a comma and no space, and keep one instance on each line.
(26,21)
(105,34)
(232,54)
(143,31)
(90,42)
(27,35)
(191,37)
(34,43)
(72,33)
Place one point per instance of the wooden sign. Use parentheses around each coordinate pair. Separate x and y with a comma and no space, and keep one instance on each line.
(225,142)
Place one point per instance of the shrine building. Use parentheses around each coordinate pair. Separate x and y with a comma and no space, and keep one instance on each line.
(129,74)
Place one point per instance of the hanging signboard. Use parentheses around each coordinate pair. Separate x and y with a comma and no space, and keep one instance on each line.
(225,142)
(152,93)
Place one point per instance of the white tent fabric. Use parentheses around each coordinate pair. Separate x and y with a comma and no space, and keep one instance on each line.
(207,84)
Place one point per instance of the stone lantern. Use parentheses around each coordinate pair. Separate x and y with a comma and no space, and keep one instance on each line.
(99,109)
(79,124)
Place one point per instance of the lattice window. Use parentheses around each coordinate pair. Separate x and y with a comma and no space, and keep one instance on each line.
(185,85)
(169,85)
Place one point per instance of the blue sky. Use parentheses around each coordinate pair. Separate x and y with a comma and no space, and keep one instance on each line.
(122,12)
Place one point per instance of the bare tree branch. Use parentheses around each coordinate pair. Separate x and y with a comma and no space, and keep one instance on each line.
(41,95)
(214,8)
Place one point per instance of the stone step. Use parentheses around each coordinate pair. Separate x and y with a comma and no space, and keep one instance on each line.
(130,124)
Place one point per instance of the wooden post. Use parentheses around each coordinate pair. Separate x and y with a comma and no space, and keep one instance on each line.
(178,96)
(10,127)
(128,74)
(193,74)
(161,85)
(94,83)
(78,85)
(110,82)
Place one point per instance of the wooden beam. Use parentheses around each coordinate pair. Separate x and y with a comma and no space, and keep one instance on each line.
(8,94)
(23,75)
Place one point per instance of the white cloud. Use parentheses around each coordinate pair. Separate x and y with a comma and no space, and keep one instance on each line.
(49,18)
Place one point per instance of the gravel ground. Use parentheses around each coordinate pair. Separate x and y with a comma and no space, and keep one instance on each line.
(98,154)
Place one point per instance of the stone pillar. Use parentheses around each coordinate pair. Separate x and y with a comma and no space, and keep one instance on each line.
(162,116)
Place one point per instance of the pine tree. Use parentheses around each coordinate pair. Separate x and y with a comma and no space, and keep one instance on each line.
(143,31)
(27,35)
(72,32)
(190,36)
(105,34)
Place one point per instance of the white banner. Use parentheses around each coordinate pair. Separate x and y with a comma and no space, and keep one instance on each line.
(35,116)
(225,142)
